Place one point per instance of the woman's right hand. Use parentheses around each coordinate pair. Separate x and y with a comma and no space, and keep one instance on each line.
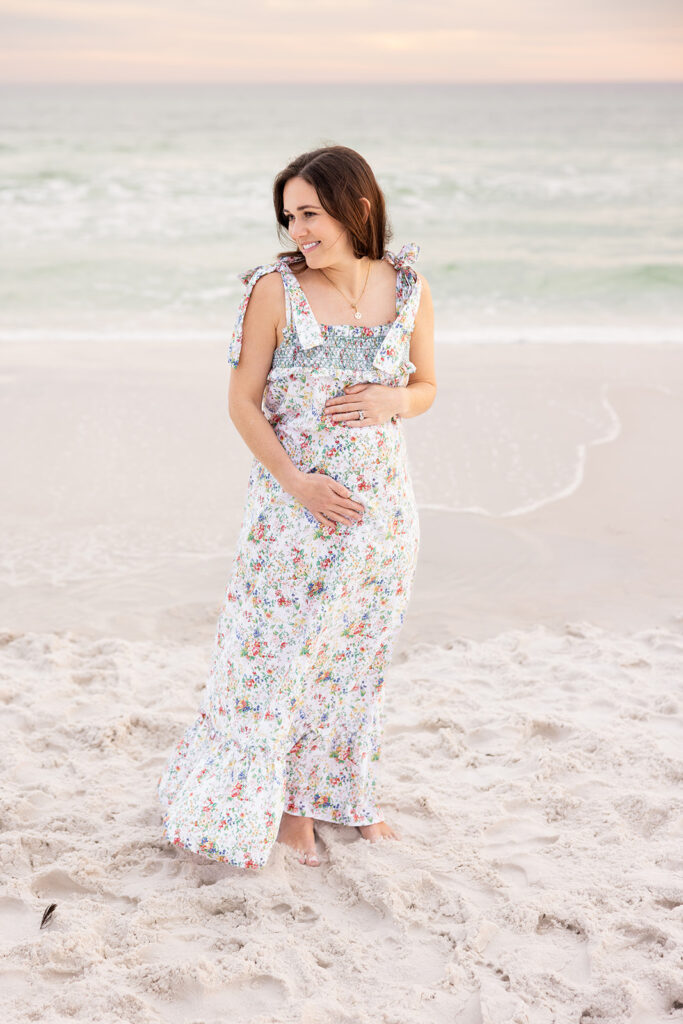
(326,499)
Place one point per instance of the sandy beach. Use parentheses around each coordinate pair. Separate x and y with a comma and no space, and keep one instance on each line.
(532,762)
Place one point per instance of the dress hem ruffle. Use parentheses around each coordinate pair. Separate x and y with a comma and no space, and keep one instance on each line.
(317,815)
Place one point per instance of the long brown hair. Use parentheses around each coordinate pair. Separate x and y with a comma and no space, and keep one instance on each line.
(340,176)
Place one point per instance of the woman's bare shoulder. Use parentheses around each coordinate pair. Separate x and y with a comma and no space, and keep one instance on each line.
(268,296)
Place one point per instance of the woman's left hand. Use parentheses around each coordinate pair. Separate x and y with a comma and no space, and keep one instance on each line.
(378,403)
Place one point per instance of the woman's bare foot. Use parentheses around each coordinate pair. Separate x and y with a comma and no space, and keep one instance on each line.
(380,830)
(296,831)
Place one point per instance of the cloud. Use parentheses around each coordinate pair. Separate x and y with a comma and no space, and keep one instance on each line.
(289,40)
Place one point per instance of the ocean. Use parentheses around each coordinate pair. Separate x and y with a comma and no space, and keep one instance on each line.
(543,212)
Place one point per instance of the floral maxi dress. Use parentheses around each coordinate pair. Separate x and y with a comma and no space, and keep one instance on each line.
(291,714)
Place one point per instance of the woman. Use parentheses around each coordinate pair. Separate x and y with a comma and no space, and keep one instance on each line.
(332,346)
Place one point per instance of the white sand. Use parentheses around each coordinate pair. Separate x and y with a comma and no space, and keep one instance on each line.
(532,761)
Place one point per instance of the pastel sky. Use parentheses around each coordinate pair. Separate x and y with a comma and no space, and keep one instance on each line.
(340,40)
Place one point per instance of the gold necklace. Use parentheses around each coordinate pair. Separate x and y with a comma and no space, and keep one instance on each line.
(354,305)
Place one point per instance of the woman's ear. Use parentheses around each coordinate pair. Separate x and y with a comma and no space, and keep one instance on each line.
(366,204)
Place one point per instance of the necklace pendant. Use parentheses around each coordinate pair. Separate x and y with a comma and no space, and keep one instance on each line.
(357,314)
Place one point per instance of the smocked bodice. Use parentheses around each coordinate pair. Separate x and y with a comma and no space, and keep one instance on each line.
(344,347)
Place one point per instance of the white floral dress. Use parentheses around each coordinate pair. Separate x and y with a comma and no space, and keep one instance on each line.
(291,715)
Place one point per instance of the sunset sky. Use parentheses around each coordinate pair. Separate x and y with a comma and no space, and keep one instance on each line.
(340,40)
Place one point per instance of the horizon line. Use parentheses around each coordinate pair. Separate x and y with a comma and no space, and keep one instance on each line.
(355,81)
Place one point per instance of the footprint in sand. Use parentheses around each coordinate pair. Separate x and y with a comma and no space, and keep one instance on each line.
(55,883)
(513,844)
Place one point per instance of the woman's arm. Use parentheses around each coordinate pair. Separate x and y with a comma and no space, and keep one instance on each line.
(420,391)
(324,497)
(264,313)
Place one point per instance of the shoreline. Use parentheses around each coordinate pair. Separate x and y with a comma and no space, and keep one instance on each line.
(539,335)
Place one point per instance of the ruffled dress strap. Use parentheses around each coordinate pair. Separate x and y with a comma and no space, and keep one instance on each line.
(249,279)
(308,329)
(391,356)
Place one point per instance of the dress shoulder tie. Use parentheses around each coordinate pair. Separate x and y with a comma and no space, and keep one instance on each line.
(392,356)
(249,279)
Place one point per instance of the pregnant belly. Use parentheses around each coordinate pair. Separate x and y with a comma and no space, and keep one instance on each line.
(370,461)
(364,458)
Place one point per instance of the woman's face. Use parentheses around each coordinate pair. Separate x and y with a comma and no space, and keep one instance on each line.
(322,239)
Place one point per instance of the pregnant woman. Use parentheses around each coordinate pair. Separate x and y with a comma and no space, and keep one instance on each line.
(332,347)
